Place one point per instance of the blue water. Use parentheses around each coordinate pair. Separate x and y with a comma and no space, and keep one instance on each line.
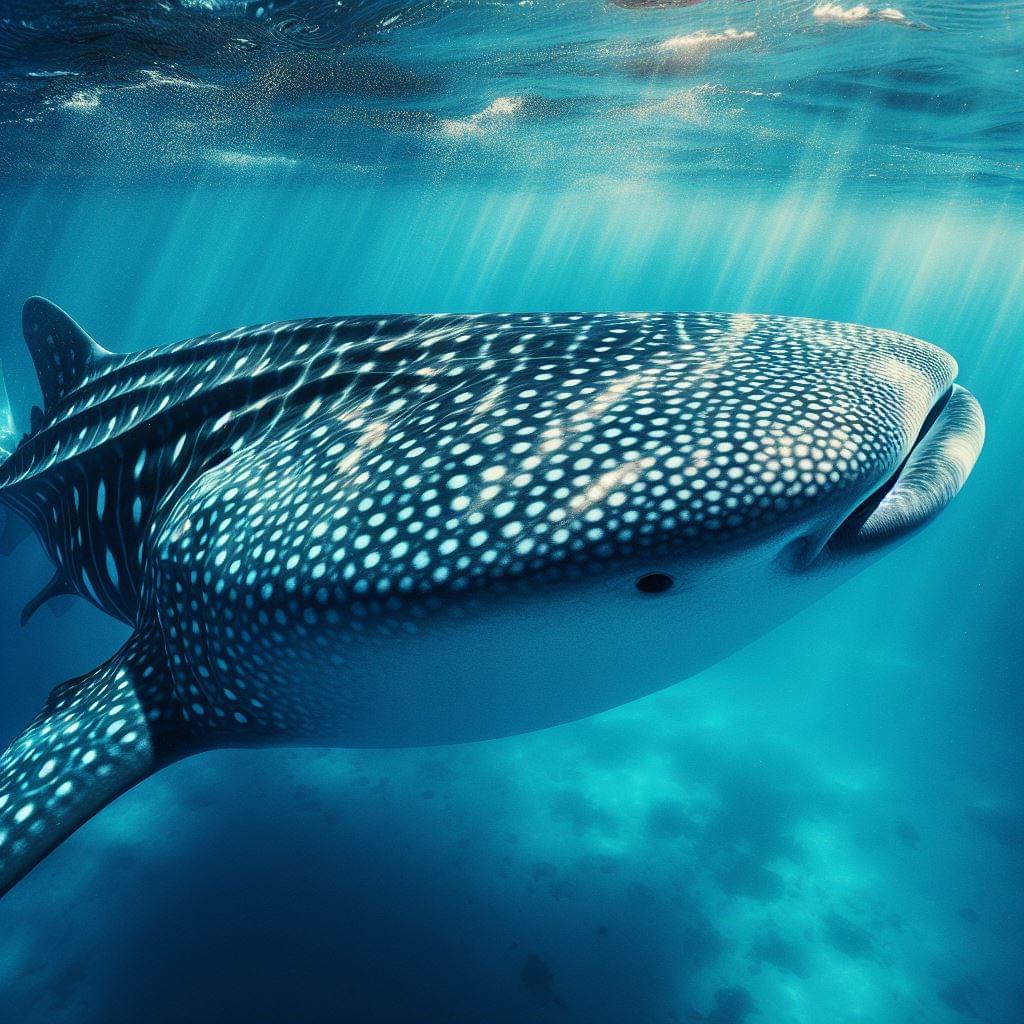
(826,828)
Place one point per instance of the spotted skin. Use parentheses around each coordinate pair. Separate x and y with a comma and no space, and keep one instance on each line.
(320,529)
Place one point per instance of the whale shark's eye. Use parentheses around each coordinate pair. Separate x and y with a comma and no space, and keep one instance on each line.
(654,583)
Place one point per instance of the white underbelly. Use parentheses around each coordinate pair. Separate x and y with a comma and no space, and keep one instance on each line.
(489,665)
(519,664)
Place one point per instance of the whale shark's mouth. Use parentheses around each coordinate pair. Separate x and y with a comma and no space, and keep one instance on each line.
(927,480)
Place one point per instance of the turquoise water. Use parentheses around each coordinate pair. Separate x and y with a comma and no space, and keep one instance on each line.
(826,827)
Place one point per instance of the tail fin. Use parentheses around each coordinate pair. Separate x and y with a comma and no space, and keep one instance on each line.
(8,433)
(64,355)
(12,529)
(97,736)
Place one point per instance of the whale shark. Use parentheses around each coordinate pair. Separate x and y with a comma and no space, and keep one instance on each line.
(423,529)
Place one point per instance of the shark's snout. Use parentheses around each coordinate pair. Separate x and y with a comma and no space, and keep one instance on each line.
(927,480)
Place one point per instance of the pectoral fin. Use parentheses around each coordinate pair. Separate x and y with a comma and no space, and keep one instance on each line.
(96,736)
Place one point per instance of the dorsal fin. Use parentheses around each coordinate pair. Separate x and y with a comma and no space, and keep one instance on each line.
(64,355)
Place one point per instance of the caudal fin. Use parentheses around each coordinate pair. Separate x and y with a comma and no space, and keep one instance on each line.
(97,736)
(12,529)
(8,434)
